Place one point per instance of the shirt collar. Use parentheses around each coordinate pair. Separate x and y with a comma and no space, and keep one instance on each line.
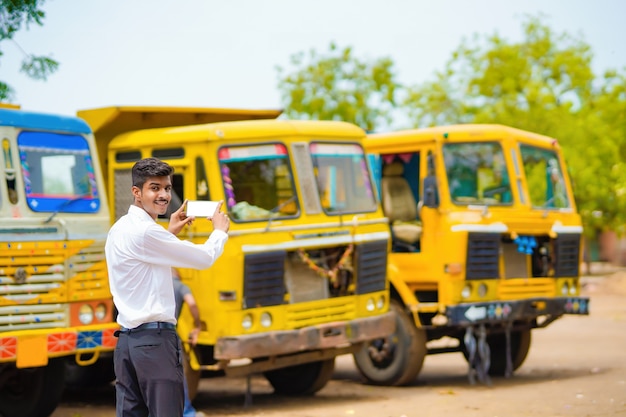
(139,212)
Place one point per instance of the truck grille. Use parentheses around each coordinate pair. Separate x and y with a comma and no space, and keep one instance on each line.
(567,248)
(519,289)
(33,283)
(264,279)
(309,314)
(371,264)
(46,316)
(88,273)
(483,251)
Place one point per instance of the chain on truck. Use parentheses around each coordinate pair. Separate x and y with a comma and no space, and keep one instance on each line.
(56,313)
(486,246)
(303,275)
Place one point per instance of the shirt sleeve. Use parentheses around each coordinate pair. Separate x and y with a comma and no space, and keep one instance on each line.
(163,248)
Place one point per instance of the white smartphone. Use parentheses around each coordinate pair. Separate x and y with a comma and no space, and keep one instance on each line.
(201,208)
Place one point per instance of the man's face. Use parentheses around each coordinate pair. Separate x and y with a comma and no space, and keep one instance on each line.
(155,195)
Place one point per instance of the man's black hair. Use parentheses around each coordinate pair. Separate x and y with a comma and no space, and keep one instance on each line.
(150,167)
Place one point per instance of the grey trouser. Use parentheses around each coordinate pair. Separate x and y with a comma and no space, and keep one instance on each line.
(149,374)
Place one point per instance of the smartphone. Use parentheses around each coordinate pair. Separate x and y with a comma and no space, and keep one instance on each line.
(201,208)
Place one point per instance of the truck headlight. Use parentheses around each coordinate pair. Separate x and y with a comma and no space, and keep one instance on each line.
(246,322)
(100,312)
(482,290)
(380,304)
(85,314)
(466,291)
(266,319)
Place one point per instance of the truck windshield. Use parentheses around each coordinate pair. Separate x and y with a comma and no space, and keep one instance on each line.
(477,173)
(58,169)
(343,179)
(258,183)
(544,177)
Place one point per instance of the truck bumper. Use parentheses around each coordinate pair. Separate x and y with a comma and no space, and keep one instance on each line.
(324,336)
(33,348)
(469,314)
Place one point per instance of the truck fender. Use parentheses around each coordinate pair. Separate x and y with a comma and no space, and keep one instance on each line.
(400,291)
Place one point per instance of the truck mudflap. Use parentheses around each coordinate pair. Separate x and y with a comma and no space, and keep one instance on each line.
(470,314)
(324,336)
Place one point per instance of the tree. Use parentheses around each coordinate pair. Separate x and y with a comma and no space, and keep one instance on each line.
(339,86)
(14,14)
(543,84)
(603,159)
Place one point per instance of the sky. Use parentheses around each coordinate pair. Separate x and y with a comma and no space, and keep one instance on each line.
(206,53)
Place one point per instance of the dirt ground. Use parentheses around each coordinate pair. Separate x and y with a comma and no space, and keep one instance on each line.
(576,367)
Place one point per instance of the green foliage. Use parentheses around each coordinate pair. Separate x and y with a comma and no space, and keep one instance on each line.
(39,67)
(339,86)
(5,91)
(602,158)
(522,84)
(13,15)
(543,84)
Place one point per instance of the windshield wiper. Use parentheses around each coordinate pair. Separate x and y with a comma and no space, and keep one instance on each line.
(491,192)
(64,205)
(274,212)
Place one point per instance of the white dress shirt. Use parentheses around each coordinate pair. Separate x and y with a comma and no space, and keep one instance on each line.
(140,254)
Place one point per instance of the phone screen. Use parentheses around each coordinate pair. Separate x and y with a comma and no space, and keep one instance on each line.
(201,208)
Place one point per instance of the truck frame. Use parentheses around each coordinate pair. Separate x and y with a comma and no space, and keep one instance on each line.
(486,246)
(56,312)
(303,276)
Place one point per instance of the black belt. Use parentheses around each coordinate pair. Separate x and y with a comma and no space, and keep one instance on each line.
(145,326)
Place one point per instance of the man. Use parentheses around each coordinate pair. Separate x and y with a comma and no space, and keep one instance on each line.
(140,254)
(183,294)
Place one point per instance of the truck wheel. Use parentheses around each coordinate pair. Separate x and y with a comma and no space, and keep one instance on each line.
(520,345)
(397,359)
(31,392)
(305,379)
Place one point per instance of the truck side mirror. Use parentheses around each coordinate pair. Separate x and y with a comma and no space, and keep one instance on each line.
(431,192)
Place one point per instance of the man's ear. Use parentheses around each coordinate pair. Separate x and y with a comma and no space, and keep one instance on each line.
(136,191)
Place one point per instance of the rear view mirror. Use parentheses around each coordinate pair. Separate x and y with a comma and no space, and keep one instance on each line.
(431,192)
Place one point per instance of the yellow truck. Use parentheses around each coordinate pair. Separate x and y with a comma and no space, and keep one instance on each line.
(56,313)
(486,246)
(303,276)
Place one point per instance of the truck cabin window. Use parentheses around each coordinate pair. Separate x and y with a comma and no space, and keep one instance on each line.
(258,182)
(343,179)
(544,176)
(477,173)
(58,173)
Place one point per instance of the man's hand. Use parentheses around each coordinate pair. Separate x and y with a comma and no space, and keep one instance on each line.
(193,336)
(220,220)
(179,219)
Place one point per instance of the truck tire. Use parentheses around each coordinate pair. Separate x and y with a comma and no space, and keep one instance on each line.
(32,392)
(520,345)
(397,359)
(305,379)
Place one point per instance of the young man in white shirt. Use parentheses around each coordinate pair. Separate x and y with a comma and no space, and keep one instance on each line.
(140,254)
